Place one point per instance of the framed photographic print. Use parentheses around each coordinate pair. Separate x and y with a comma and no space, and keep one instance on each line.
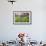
(22,17)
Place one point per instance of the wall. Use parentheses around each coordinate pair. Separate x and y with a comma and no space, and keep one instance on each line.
(9,31)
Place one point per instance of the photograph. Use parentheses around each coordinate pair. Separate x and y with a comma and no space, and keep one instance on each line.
(22,17)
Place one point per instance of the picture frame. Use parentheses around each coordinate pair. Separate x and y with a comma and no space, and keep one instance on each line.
(22,17)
